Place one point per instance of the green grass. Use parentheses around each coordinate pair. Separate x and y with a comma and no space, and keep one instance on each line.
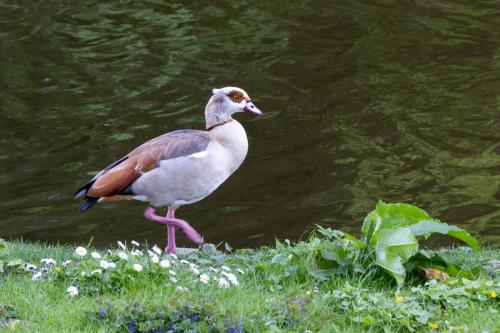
(275,294)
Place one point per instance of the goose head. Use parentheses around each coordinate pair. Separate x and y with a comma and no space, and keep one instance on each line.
(225,102)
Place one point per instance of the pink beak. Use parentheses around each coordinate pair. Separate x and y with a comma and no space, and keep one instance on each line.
(251,108)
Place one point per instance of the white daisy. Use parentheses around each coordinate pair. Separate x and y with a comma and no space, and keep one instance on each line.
(136,253)
(151,253)
(155,259)
(194,270)
(122,255)
(157,250)
(66,263)
(36,276)
(30,267)
(204,278)
(231,277)
(81,251)
(181,289)
(164,263)
(137,267)
(112,265)
(223,283)
(95,255)
(173,280)
(48,261)
(72,291)
(134,243)
(104,264)
(121,245)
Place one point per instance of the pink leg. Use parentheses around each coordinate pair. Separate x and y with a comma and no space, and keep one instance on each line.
(171,248)
(173,223)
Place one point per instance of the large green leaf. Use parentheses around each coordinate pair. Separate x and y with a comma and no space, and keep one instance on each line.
(425,259)
(319,267)
(353,240)
(394,247)
(429,226)
(392,215)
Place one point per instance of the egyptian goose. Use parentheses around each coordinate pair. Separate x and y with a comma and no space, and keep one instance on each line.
(179,167)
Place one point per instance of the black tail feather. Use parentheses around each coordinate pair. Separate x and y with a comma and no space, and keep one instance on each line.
(83,190)
(88,203)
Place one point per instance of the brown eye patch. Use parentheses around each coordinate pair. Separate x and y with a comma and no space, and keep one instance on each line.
(236,96)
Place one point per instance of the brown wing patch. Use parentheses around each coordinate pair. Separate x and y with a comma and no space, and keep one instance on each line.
(116,179)
(236,96)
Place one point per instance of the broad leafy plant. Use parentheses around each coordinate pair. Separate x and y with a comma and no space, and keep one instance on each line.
(391,241)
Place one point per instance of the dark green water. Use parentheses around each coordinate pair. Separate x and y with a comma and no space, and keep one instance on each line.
(393,100)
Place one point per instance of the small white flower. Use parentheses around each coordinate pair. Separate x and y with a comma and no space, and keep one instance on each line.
(121,245)
(81,251)
(96,271)
(174,256)
(214,269)
(36,276)
(137,267)
(134,243)
(172,273)
(173,280)
(30,267)
(66,263)
(181,289)
(48,261)
(157,250)
(204,278)
(164,263)
(184,261)
(194,270)
(241,271)
(122,255)
(155,259)
(95,255)
(151,253)
(136,253)
(223,283)
(72,291)
(227,269)
(231,277)
(112,265)
(104,264)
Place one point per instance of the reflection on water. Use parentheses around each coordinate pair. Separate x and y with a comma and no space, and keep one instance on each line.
(363,100)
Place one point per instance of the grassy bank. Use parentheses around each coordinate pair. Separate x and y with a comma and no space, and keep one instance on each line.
(265,290)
